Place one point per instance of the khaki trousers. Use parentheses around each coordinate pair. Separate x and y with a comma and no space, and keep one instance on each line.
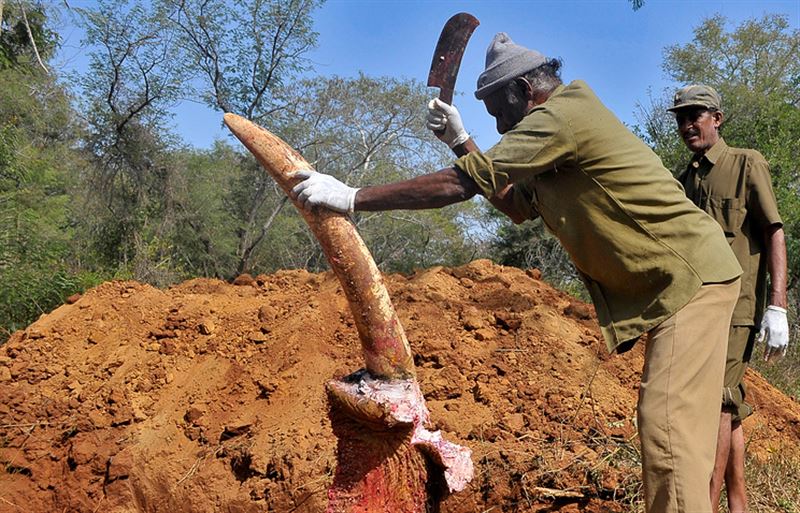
(679,401)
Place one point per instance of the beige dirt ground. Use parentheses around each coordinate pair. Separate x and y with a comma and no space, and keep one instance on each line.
(208,396)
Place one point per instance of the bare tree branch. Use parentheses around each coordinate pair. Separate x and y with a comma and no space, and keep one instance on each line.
(244,262)
(30,35)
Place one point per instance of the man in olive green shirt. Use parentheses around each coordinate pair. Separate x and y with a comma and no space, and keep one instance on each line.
(653,262)
(733,186)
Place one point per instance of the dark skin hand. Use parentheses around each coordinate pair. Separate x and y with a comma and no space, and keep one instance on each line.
(435,190)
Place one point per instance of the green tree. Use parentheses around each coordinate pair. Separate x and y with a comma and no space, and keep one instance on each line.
(656,126)
(368,130)
(388,142)
(205,237)
(244,55)
(25,38)
(39,135)
(133,81)
(529,245)
(251,71)
(144,59)
(154,206)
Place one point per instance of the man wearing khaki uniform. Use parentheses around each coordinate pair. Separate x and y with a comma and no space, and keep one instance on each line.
(733,186)
(653,262)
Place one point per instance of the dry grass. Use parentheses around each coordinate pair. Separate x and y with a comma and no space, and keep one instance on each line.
(773,485)
(783,374)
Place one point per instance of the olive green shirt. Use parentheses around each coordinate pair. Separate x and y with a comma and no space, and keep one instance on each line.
(642,248)
(733,185)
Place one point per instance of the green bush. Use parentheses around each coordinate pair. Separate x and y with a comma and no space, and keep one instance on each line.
(27,292)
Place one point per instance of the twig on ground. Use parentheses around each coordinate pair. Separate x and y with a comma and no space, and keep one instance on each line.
(27,425)
(9,502)
(99,503)
(552,492)
(196,465)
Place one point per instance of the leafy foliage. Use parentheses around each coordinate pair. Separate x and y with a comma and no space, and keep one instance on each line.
(38,268)
(20,21)
(160,213)
(636,4)
(246,53)
(387,143)
(656,126)
(133,80)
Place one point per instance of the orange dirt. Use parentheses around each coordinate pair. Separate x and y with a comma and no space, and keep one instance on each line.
(208,397)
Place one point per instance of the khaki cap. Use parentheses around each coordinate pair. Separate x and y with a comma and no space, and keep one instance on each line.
(696,95)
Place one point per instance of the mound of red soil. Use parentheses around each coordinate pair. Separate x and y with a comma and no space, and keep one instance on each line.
(208,397)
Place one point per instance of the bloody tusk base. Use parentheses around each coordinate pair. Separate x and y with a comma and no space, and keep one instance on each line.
(387,460)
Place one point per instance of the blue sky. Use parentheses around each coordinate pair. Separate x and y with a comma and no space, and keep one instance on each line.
(618,51)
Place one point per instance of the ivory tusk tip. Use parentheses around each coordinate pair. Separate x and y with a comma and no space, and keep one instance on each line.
(233,121)
(228,116)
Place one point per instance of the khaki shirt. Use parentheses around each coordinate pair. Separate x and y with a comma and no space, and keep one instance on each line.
(642,248)
(733,185)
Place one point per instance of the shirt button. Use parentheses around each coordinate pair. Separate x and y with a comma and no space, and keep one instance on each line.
(695,164)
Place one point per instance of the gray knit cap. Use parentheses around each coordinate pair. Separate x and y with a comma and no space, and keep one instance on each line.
(505,61)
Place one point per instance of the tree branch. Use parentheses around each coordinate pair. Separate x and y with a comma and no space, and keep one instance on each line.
(30,35)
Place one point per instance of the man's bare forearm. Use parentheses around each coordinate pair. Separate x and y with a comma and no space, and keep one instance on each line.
(776,263)
(434,190)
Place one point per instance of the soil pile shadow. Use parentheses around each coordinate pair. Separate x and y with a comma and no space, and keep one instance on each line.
(208,396)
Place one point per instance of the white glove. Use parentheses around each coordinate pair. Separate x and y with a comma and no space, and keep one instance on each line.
(321,190)
(444,117)
(775,329)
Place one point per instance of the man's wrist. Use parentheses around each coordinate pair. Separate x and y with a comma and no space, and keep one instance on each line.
(779,301)
(459,139)
(777,308)
(351,204)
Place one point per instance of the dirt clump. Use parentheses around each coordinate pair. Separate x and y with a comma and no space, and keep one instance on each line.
(209,396)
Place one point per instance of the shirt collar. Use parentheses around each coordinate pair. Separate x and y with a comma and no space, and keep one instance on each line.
(715,152)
